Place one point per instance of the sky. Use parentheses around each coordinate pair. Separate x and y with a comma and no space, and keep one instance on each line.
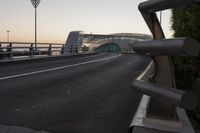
(56,18)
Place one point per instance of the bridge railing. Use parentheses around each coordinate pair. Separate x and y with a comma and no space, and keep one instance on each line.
(72,49)
(162,107)
(127,50)
(10,49)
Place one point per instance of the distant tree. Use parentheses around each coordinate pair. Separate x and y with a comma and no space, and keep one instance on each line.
(186,23)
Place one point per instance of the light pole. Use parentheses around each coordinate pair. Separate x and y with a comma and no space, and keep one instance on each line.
(8,36)
(35,5)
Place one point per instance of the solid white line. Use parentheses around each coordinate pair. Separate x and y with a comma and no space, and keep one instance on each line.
(57,68)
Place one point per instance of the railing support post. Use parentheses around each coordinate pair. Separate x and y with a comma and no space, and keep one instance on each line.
(31,49)
(9,49)
(1,50)
(36,49)
(62,50)
(49,50)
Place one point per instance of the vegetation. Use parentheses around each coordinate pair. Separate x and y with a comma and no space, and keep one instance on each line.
(186,23)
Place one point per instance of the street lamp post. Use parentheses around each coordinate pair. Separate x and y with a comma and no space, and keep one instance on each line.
(35,5)
(8,36)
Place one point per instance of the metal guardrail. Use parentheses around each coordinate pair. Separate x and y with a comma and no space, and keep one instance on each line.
(127,50)
(162,93)
(162,107)
(23,49)
(169,47)
(71,49)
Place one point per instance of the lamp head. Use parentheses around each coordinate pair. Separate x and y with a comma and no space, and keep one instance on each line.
(35,3)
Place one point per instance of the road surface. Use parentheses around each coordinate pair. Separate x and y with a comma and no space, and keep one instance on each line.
(90,94)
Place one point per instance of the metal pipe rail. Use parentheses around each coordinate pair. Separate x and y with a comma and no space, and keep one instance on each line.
(23,49)
(31,43)
(162,93)
(169,47)
(152,115)
(148,9)
(152,6)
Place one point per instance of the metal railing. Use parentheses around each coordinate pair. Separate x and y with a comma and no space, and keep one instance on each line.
(162,107)
(71,49)
(127,50)
(29,49)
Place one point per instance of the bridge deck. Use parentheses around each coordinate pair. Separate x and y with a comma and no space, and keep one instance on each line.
(90,94)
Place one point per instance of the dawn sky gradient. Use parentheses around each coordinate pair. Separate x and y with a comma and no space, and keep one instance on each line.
(56,18)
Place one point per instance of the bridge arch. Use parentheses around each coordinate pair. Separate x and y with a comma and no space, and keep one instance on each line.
(113,42)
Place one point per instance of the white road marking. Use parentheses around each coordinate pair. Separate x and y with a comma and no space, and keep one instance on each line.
(57,68)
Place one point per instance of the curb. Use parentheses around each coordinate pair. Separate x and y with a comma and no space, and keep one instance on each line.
(46,58)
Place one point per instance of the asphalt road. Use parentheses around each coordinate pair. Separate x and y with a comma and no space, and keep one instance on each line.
(89,94)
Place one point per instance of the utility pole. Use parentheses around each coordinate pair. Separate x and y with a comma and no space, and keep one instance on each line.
(35,5)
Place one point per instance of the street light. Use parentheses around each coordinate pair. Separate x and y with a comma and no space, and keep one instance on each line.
(8,39)
(35,5)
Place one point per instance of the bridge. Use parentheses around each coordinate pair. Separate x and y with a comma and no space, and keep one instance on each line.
(91,92)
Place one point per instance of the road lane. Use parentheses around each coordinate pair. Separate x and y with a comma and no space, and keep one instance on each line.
(90,98)
(29,66)
(57,68)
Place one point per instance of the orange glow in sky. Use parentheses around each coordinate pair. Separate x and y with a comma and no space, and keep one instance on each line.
(56,18)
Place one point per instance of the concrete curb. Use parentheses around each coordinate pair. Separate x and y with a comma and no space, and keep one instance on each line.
(46,58)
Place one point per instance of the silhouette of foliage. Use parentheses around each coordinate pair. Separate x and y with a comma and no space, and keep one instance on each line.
(186,23)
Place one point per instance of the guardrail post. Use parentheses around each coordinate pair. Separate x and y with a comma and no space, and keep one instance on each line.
(36,49)
(71,49)
(9,49)
(1,50)
(76,50)
(49,50)
(31,49)
(62,50)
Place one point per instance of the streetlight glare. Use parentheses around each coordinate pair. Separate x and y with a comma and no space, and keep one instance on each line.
(35,3)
